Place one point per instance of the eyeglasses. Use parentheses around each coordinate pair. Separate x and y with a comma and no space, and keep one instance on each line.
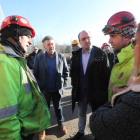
(83,39)
(74,45)
(133,43)
(35,49)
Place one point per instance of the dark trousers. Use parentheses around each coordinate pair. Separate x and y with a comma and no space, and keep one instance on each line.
(29,137)
(56,98)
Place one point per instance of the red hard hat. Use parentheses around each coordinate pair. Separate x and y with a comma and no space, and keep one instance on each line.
(105,44)
(21,21)
(118,21)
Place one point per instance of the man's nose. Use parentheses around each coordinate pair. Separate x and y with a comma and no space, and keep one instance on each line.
(87,39)
(110,40)
(51,46)
(30,41)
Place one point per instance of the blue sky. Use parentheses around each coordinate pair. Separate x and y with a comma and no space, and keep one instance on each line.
(64,19)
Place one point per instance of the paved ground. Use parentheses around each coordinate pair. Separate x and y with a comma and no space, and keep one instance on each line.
(71,121)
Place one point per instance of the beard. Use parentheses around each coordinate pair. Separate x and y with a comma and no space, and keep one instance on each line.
(51,52)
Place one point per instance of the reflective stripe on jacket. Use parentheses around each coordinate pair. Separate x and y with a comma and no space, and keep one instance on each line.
(121,71)
(23,109)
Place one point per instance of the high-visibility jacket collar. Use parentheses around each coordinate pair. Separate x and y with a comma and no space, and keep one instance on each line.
(9,51)
(125,53)
(1,49)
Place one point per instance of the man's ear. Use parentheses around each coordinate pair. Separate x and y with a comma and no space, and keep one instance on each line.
(127,39)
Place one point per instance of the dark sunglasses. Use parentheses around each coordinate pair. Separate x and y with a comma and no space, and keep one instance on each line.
(133,43)
(35,49)
(74,45)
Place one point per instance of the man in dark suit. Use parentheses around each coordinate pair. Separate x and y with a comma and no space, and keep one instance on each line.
(90,74)
(51,72)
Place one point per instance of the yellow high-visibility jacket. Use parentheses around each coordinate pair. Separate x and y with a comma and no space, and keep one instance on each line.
(121,71)
(23,109)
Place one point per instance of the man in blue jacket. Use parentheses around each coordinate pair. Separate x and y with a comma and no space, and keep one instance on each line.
(51,72)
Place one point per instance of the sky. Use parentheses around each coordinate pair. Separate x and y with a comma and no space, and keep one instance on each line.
(64,19)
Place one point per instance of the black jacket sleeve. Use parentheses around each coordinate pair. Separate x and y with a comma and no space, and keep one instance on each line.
(117,123)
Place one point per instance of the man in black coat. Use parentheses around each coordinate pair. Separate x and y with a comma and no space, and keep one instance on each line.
(31,57)
(90,74)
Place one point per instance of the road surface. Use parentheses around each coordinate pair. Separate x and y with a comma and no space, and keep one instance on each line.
(71,120)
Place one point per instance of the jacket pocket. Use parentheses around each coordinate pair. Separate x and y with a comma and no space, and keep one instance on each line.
(28,110)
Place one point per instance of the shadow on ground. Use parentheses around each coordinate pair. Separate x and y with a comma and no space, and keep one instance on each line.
(71,121)
(67,110)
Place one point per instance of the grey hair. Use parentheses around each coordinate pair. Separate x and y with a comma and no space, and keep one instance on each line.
(47,38)
(81,32)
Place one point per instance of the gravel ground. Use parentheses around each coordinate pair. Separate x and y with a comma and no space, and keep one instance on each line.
(71,121)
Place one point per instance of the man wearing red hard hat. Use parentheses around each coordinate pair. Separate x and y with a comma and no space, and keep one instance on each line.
(119,118)
(105,47)
(23,109)
(110,55)
(121,28)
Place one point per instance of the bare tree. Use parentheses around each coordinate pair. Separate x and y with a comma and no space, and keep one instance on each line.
(37,42)
(68,49)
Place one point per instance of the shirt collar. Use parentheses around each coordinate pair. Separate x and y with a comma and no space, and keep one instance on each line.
(88,51)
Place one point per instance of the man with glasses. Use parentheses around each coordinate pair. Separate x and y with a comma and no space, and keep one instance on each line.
(75,47)
(31,57)
(90,74)
(121,29)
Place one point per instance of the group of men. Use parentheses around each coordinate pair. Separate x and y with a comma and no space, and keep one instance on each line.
(25,99)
